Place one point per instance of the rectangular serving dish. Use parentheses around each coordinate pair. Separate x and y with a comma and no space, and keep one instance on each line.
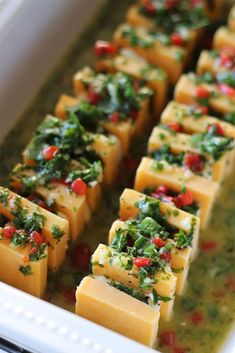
(23,70)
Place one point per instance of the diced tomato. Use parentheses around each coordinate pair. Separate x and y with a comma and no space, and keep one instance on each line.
(202,92)
(177,201)
(37,238)
(92,96)
(179,350)
(80,256)
(230,282)
(70,295)
(114,117)
(103,47)
(208,245)
(79,186)
(218,128)
(175,126)
(226,89)
(142,261)
(194,162)
(197,318)
(167,338)
(166,256)
(50,152)
(158,241)
(162,189)
(33,250)
(226,60)
(149,7)
(8,231)
(177,39)
(201,109)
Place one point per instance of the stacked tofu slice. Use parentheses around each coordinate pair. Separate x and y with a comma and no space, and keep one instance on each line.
(136,277)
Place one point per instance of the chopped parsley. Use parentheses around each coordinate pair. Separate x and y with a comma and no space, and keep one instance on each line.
(26,270)
(57,232)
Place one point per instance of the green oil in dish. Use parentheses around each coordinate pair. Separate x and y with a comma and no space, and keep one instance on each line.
(204,314)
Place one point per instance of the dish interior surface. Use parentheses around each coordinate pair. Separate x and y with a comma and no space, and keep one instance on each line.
(204,314)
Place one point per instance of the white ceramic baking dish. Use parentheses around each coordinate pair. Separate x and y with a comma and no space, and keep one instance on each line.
(29,322)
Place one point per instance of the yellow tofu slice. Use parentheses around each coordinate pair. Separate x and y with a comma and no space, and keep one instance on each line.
(169,58)
(180,258)
(224,37)
(180,142)
(11,261)
(74,207)
(186,90)
(122,130)
(231,19)
(86,75)
(56,246)
(130,63)
(135,18)
(99,302)
(177,112)
(204,191)
(102,266)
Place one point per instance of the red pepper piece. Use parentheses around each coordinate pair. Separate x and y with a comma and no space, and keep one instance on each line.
(162,189)
(177,39)
(208,245)
(218,128)
(103,47)
(8,231)
(50,152)
(194,162)
(80,257)
(114,117)
(149,7)
(79,186)
(158,241)
(202,92)
(197,318)
(37,238)
(201,109)
(142,261)
(92,96)
(166,256)
(226,89)
(226,60)
(175,126)
(167,338)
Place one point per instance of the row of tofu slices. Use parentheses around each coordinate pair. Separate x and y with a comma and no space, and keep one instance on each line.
(57,187)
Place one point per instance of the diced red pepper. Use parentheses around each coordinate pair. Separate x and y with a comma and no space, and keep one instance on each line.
(33,250)
(201,109)
(167,338)
(50,152)
(158,241)
(177,39)
(202,92)
(197,318)
(92,96)
(180,350)
(142,261)
(149,7)
(162,189)
(194,162)
(79,186)
(171,4)
(37,238)
(208,245)
(175,126)
(103,47)
(80,256)
(226,89)
(8,231)
(226,60)
(230,282)
(114,117)
(183,200)
(218,128)
(166,256)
